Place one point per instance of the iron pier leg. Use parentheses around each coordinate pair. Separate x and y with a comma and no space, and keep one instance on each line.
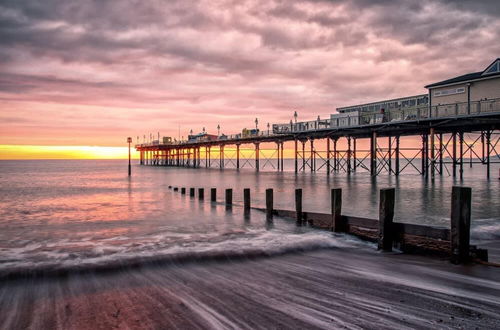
(354,155)
(441,153)
(488,151)
(335,158)
(454,153)
(296,160)
(312,156)
(327,156)
(278,154)
(221,157)
(238,156)
(482,148)
(303,155)
(461,141)
(348,155)
(422,151)
(373,154)
(397,155)
(282,153)
(389,160)
(257,156)
(433,162)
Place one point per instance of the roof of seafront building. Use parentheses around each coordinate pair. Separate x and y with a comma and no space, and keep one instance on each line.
(491,71)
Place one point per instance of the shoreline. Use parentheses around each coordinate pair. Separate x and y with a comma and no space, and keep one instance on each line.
(317,289)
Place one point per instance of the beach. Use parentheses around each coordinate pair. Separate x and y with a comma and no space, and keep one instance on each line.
(329,288)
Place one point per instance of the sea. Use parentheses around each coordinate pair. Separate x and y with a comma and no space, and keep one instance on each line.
(62,215)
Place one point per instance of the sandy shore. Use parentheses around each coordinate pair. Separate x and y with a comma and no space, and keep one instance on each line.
(323,289)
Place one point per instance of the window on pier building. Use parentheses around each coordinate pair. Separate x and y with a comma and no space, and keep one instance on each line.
(493,68)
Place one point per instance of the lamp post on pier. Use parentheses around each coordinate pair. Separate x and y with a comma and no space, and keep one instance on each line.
(129,141)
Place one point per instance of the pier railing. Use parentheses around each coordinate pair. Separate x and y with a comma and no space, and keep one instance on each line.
(442,111)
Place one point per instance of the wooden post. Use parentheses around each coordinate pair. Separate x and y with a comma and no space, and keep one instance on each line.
(213,194)
(191,192)
(201,193)
(246,200)
(298,205)
(183,190)
(229,197)
(176,188)
(386,216)
(269,204)
(336,202)
(460,224)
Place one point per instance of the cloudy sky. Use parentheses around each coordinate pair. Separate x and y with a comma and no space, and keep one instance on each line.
(94,72)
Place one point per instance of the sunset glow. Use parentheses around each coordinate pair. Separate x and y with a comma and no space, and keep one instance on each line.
(94,73)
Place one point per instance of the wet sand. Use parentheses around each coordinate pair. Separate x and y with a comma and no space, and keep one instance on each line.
(333,288)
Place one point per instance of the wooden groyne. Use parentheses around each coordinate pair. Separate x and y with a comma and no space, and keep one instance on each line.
(453,242)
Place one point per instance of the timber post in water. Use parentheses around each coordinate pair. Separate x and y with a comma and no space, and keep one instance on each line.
(460,224)
(183,190)
(229,197)
(213,194)
(176,188)
(386,216)
(191,192)
(336,201)
(246,200)
(201,193)
(269,204)
(298,205)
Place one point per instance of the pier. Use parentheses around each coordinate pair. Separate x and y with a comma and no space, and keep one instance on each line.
(449,141)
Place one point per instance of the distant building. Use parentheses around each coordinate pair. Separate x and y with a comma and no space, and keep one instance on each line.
(392,104)
(471,87)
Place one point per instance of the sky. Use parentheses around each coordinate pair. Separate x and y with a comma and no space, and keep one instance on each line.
(87,74)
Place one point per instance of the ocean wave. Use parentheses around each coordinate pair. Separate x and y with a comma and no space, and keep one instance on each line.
(486,230)
(37,260)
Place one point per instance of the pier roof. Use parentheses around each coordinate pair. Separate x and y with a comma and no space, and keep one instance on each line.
(470,76)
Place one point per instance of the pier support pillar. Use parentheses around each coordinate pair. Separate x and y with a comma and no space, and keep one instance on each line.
(454,153)
(282,155)
(460,224)
(237,156)
(221,157)
(461,146)
(397,155)
(488,152)
(335,155)
(303,155)
(441,153)
(213,194)
(229,198)
(389,155)
(278,155)
(295,153)
(433,155)
(373,154)
(354,162)
(312,162)
(386,216)
(348,155)
(257,157)
(328,156)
